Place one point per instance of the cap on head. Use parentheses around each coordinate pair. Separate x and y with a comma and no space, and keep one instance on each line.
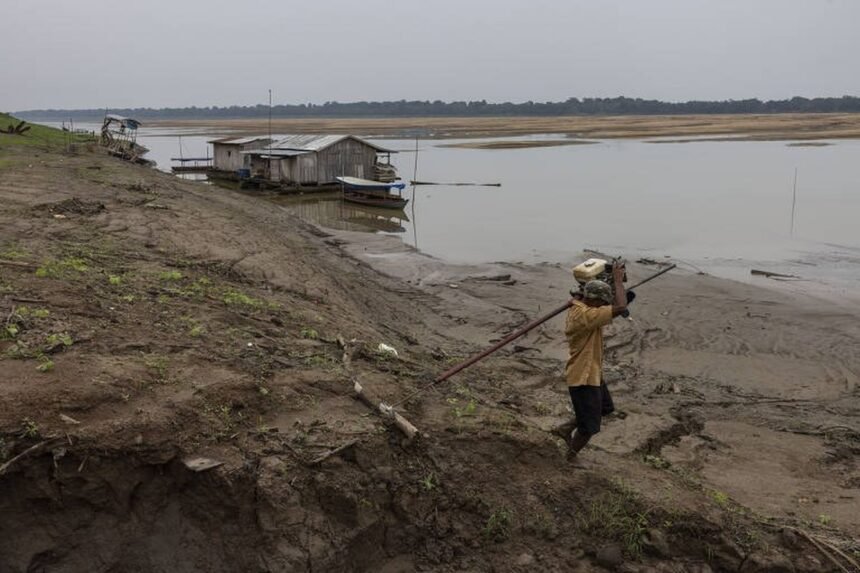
(598,290)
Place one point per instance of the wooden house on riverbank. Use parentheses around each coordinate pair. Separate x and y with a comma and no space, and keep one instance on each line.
(316,160)
(227,153)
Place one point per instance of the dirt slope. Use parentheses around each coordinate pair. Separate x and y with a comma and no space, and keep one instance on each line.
(148,320)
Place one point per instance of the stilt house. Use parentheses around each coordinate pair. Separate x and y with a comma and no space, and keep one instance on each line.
(315,160)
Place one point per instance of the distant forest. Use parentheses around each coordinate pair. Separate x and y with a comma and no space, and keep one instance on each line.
(403,108)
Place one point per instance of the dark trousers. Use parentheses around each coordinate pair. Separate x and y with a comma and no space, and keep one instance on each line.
(590,404)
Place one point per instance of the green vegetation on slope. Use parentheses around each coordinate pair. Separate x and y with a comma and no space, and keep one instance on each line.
(37,135)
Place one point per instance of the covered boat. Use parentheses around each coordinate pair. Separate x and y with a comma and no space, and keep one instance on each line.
(372,193)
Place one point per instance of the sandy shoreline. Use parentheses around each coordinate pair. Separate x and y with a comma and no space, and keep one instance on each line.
(756,127)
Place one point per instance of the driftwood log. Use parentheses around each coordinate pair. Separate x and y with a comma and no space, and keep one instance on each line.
(770,275)
(386,412)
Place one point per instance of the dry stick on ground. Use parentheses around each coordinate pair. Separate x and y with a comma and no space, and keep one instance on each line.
(15,264)
(830,546)
(29,451)
(820,546)
(318,460)
(386,411)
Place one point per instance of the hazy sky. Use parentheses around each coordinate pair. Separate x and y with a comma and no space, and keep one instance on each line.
(154,53)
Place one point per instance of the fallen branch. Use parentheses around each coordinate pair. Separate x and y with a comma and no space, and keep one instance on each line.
(820,544)
(28,452)
(318,460)
(387,412)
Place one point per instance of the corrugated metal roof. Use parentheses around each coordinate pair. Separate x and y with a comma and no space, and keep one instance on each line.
(264,152)
(318,142)
(239,140)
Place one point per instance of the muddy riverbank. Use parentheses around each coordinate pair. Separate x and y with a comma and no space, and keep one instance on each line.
(149,321)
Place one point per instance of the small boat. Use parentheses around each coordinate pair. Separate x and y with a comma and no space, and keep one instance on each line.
(375,199)
(357,184)
(372,193)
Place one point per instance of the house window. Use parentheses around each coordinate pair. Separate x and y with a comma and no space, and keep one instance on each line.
(229,153)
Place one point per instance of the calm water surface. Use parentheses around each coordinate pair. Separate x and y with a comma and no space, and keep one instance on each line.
(724,207)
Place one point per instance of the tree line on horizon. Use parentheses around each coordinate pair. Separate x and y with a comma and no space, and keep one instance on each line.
(403,108)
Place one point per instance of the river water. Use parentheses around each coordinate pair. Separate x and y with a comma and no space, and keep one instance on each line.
(724,207)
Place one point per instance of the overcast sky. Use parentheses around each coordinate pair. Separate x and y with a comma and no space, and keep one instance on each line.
(156,53)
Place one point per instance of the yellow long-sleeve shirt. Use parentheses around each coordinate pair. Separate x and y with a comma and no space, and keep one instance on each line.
(584,332)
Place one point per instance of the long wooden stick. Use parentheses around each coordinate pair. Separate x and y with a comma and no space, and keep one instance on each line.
(386,411)
(510,338)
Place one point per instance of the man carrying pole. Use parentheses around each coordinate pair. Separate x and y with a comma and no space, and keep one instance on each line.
(584,371)
(587,313)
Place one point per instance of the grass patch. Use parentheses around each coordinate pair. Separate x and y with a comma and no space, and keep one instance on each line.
(460,410)
(12,252)
(618,514)
(498,525)
(720,498)
(233,297)
(320,361)
(45,364)
(29,428)
(157,364)
(62,339)
(193,326)
(429,482)
(310,333)
(62,268)
(170,276)
(26,311)
(657,462)
(226,419)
